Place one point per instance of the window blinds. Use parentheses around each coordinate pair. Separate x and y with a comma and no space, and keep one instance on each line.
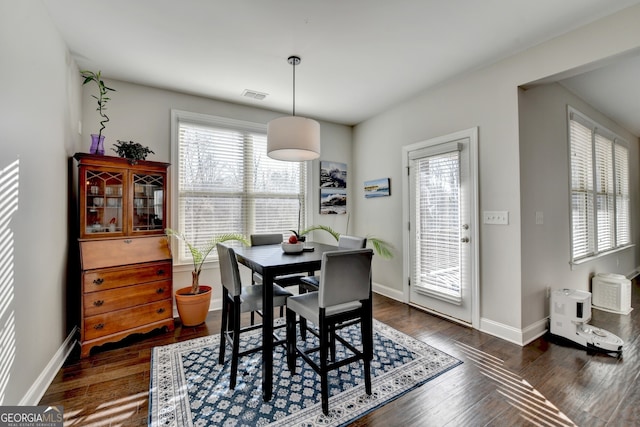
(227,184)
(437,212)
(599,189)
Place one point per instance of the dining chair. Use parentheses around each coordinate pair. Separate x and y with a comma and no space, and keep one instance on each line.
(310,283)
(344,295)
(285,280)
(272,239)
(237,299)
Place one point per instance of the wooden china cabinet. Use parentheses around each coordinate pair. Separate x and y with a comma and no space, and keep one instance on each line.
(125,257)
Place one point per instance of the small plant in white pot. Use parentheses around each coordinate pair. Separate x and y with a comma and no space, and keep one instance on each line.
(193,301)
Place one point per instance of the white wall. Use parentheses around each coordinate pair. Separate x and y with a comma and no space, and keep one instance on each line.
(487,98)
(39,111)
(545,187)
(142,114)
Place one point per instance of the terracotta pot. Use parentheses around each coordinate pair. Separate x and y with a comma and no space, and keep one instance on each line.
(193,309)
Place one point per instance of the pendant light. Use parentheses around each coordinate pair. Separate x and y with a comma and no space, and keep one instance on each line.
(293,138)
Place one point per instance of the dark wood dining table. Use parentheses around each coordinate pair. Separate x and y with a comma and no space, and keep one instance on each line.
(271,261)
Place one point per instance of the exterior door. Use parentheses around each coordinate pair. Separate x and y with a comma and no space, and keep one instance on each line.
(442,236)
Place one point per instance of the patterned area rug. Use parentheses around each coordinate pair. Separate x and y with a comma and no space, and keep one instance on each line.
(189,388)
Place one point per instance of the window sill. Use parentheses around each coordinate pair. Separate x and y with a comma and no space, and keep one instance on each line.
(581,261)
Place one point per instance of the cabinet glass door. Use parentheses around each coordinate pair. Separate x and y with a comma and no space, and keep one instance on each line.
(148,203)
(103,210)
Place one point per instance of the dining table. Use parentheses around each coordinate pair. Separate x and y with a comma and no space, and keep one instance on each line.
(271,261)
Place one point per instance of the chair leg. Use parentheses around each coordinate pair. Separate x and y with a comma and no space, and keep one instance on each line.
(236,342)
(366,327)
(291,341)
(223,328)
(367,349)
(324,354)
(303,322)
(332,342)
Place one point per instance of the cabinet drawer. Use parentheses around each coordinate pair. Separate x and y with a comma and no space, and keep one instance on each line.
(131,296)
(109,278)
(104,253)
(121,320)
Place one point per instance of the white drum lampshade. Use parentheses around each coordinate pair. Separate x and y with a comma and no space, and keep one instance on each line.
(293,139)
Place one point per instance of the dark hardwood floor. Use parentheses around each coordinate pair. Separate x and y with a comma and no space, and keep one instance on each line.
(499,384)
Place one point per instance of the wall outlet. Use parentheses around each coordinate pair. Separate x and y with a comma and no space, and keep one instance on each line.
(496,217)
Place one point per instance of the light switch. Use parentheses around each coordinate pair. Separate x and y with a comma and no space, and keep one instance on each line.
(539,218)
(496,217)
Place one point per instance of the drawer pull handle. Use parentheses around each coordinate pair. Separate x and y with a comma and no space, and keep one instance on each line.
(160,310)
(98,303)
(99,326)
(160,291)
(99,281)
(160,272)
(127,241)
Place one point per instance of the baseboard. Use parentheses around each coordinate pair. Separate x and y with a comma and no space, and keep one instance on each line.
(388,292)
(535,331)
(517,336)
(44,380)
(633,274)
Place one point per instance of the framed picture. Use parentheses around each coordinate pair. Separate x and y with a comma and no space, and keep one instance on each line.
(377,188)
(333,174)
(333,201)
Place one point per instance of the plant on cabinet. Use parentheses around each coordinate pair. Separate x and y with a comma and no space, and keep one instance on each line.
(97,144)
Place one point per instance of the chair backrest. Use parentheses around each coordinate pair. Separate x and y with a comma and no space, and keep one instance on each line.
(345,276)
(229,272)
(351,242)
(265,239)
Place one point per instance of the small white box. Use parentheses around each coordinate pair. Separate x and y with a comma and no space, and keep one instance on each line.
(611,292)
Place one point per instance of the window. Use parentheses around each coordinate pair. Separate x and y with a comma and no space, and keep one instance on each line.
(599,189)
(225,182)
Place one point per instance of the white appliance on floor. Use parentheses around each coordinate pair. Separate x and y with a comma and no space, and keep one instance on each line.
(611,292)
(570,314)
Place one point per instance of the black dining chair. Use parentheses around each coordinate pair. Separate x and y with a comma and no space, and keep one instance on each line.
(344,296)
(272,239)
(310,283)
(237,299)
(285,280)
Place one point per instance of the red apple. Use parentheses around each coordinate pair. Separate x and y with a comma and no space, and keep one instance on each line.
(293,239)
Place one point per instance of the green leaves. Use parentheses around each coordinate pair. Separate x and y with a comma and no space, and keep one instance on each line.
(90,76)
(381,247)
(200,255)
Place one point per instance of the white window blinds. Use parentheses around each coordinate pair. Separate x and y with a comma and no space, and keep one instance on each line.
(436,175)
(227,184)
(599,189)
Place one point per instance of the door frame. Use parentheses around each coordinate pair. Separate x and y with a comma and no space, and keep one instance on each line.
(472,135)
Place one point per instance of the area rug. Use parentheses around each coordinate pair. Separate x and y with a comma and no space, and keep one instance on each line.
(189,388)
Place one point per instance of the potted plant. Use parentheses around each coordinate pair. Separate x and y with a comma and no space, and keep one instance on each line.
(381,247)
(193,301)
(133,151)
(97,141)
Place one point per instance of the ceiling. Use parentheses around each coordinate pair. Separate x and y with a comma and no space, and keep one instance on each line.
(359,57)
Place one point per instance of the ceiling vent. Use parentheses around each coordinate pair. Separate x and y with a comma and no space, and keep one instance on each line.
(254,94)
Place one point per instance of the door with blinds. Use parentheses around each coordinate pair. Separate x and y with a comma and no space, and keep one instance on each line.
(442,227)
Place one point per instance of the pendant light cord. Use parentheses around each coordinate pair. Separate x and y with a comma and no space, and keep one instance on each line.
(294,87)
